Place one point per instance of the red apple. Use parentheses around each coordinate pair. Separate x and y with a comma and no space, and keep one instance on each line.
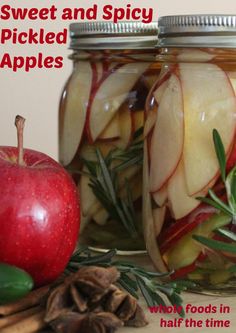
(39,214)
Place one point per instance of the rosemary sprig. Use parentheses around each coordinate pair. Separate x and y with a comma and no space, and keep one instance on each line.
(134,278)
(104,178)
(232,269)
(226,233)
(215,245)
(228,208)
(220,152)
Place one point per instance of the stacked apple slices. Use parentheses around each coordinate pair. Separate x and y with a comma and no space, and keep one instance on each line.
(96,113)
(191,100)
(94,104)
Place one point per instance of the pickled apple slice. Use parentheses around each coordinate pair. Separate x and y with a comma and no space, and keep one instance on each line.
(111,94)
(75,111)
(186,250)
(125,126)
(168,134)
(149,228)
(112,131)
(159,92)
(158,218)
(149,122)
(160,197)
(209,102)
(180,203)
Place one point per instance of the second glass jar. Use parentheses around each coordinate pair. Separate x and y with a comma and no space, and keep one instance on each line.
(190,153)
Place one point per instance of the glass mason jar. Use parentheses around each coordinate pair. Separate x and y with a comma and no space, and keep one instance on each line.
(189,187)
(101,128)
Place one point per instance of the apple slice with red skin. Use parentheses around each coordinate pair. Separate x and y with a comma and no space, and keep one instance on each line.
(39,216)
(158,93)
(186,250)
(150,122)
(209,102)
(179,202)
(167,136)
(110,95)
(148,222)
(170,236)
(107,71)
(74,111)
(184,271)
(158,89)
(152,103)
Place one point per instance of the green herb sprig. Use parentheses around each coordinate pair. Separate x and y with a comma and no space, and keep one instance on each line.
(228,208)
(135,279)
(104,177)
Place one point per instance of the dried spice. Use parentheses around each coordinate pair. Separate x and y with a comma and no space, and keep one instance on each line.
(88,301)
(138,320)
(103,322)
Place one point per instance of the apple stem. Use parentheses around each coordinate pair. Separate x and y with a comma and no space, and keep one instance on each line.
(19,123)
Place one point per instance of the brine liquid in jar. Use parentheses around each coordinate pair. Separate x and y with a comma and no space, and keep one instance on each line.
(190,167)
(101,143)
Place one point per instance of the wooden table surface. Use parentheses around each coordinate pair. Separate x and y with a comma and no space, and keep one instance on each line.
(196,300)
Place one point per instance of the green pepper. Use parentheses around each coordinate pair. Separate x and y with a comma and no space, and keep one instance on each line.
(14,283)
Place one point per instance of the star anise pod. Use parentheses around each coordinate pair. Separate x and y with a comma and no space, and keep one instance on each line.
(88,301)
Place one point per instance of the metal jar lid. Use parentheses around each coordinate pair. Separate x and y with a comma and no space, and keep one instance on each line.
(197,31)
(107,35)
